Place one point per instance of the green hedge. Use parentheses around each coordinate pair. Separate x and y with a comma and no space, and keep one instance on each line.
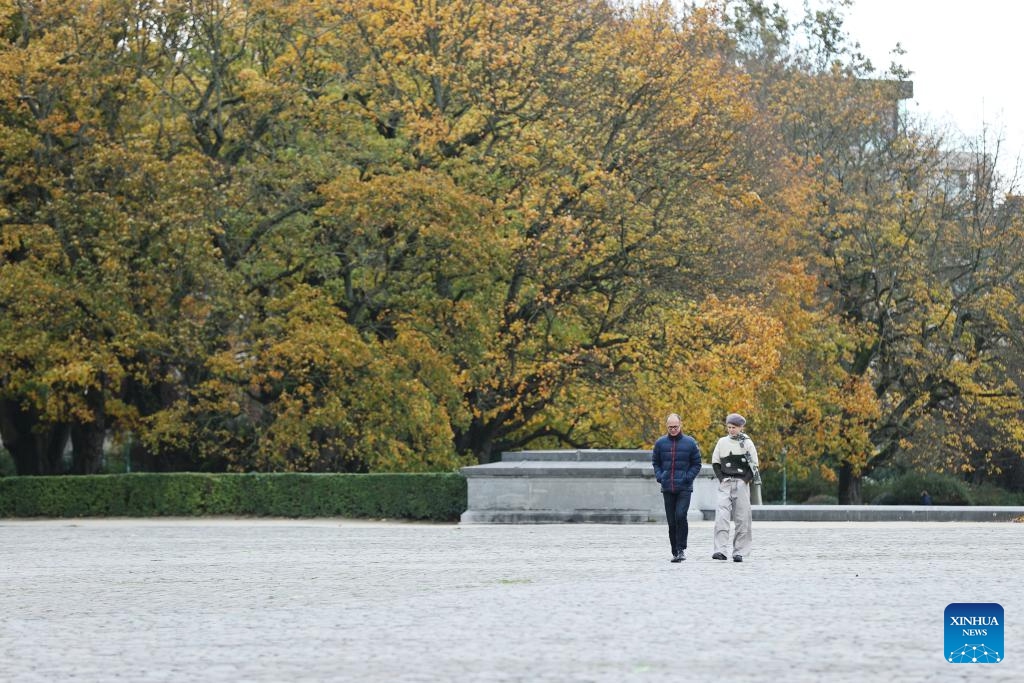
(798,489)
(944,489)
(427,496)
(906,490)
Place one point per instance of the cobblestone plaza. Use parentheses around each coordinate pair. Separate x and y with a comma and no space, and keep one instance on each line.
(339,600)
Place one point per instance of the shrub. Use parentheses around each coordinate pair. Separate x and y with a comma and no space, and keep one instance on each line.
(426,496)
(7,468)
(822,499)
(906,489)
(988,494)
(884,498)
(796,489)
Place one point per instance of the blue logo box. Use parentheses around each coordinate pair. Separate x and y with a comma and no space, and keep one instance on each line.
(974,633)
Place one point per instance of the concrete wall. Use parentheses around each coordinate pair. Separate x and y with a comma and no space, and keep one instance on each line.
(887,513)
(618,486)
(575,486)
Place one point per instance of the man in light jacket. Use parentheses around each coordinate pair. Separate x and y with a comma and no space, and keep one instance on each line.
(734,461)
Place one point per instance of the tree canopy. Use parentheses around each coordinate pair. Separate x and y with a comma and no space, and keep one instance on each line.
(394,235)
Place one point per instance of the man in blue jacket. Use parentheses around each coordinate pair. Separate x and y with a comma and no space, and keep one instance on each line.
(676,461)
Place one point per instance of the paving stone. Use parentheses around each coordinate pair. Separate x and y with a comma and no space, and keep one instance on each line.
(338,600)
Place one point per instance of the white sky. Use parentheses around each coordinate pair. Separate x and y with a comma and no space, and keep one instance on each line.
(966,59)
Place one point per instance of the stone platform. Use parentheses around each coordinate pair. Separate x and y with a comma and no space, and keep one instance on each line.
(611,486)
(887,513)
(618,486)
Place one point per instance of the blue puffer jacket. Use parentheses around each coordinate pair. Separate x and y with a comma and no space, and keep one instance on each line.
(676,461)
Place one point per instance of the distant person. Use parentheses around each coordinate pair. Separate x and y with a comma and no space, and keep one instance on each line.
(734,461)
(925,498)
(676,461)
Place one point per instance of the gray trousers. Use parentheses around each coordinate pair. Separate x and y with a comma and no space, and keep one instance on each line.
(733,506)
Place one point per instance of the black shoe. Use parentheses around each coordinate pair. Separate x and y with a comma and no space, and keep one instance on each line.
(718,556)
(736,558)
(679,556)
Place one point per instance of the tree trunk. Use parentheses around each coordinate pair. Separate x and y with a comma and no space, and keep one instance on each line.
(477,438)
(849,486)
(484,454)
(36,448)
(87,439)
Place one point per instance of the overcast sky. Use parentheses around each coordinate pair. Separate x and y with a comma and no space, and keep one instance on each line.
(966,58)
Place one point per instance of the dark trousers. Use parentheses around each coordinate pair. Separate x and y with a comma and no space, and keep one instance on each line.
(676,506)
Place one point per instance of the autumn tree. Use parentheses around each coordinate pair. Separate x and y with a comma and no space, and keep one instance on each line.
(976,420)
(162,186)
(893,249)
(598,150)
(387,235)
(102,237)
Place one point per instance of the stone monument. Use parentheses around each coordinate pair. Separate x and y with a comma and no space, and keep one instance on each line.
(609,486)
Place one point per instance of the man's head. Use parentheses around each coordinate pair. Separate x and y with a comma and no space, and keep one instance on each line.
(672,424)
